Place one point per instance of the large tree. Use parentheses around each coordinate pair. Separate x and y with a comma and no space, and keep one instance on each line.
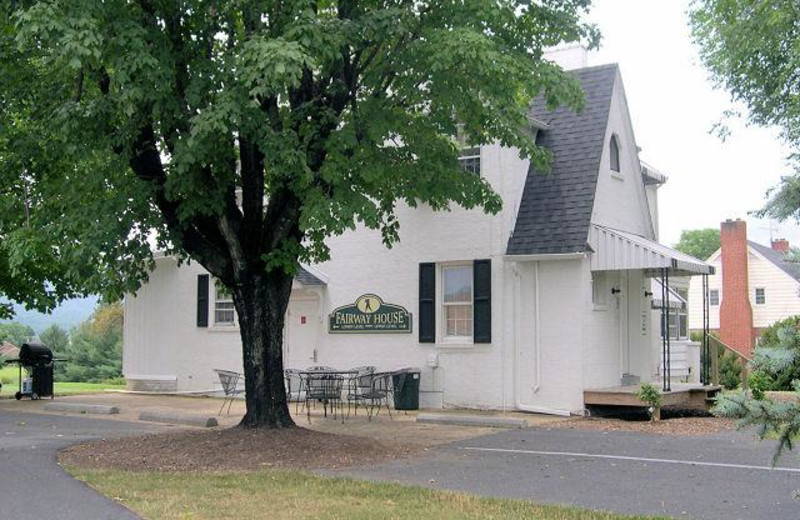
(241,134)
(699,243)
(752,50)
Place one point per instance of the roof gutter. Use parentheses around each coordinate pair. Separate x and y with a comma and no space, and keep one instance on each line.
(545,257)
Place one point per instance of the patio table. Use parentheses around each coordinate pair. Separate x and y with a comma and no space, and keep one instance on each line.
(326,386)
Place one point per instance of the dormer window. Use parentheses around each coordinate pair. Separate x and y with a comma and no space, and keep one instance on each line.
(614,149)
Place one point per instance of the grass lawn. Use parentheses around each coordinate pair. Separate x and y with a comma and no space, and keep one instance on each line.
(292,494)
(10,374)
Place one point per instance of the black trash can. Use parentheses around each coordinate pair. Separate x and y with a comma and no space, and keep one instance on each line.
(406,389)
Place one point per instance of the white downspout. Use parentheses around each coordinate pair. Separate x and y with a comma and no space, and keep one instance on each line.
(518,338)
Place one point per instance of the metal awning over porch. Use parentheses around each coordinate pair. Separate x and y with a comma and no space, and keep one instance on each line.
(616,250)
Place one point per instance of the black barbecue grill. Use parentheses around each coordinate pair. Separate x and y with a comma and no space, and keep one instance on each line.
(37,361)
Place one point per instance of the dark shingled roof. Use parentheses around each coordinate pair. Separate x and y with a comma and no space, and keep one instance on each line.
(556,208)
(306,278)
(777,258)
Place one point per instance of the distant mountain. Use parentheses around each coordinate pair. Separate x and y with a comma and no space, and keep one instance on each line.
(66,315)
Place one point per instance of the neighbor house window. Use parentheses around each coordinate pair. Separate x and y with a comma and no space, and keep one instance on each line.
(761,297)
(713,297)
(614,149)
(224,313)
(457,301)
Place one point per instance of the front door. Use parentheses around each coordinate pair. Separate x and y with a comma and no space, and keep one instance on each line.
(301,335)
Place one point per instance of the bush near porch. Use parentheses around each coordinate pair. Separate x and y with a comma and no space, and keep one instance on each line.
(776,360)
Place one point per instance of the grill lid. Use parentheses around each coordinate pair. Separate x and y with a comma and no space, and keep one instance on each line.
(35,353)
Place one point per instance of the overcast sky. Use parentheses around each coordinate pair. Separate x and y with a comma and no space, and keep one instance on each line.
(674,106)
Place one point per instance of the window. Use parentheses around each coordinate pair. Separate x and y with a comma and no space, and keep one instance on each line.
(614,152)
(677,324)
(469,156)
(713,297)
(761,297)
(224,313)
(470,159)
(457,301)
(599,290)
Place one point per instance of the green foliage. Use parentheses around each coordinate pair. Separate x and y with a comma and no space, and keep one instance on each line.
(758,382)
(333,110)
(649,394)
(730,369)
(699,243)
(16,333)
(776,360)
(771,418)
(94,351)
(752,50)
(56,338)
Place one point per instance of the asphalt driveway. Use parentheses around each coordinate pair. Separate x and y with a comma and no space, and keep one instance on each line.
(33,485)
(712,477)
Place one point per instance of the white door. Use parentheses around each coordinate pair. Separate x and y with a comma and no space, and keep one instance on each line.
(301,335)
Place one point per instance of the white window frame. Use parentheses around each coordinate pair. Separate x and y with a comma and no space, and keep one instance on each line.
(469,158)
(440,304)
(220,300)
(600,291)
(710,302)
(469,155)
(763,296)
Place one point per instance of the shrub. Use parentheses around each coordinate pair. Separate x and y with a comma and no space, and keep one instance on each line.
(776,361)
(650,395)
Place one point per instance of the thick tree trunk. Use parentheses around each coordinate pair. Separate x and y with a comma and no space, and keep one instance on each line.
(261,300)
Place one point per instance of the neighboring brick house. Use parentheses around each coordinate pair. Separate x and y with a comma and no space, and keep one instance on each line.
(9,350)
(754,286)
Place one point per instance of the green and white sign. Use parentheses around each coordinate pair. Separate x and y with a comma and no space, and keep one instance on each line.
(369,314)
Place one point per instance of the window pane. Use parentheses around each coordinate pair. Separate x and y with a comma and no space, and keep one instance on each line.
(760,297)
(714,297)
(458,319)
(457,283)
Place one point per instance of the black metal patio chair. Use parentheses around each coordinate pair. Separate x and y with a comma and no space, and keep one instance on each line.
(359,383)
(378,394)
(326,388)
(230,385)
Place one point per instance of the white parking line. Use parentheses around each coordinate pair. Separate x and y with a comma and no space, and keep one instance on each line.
(635,459)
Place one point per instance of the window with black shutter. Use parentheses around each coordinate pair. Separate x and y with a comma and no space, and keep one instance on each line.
(427,303)
(202,300)
(482,301)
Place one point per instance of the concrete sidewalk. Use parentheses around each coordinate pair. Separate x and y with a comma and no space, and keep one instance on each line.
(402,428)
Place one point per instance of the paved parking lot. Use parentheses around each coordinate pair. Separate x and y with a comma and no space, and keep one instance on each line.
(715,477)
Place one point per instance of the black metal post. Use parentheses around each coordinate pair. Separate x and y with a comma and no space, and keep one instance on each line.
(664,332)
(669,349)
(706,326)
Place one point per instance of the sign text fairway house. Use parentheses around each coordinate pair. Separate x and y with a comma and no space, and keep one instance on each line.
(369,314)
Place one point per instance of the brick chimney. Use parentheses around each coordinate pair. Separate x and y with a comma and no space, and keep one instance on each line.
(781,245)
(735,312)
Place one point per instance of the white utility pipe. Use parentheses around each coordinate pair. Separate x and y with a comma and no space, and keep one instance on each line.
(517,302)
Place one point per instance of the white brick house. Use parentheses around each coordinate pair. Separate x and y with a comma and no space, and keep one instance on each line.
(524,310)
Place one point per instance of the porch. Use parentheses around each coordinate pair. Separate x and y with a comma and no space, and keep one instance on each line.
(685,395)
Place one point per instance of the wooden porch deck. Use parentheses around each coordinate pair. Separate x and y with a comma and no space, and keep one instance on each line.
(694,396)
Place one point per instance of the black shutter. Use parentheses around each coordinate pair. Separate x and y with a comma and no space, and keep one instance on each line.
(202,300)
(427,303)
(482,301)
